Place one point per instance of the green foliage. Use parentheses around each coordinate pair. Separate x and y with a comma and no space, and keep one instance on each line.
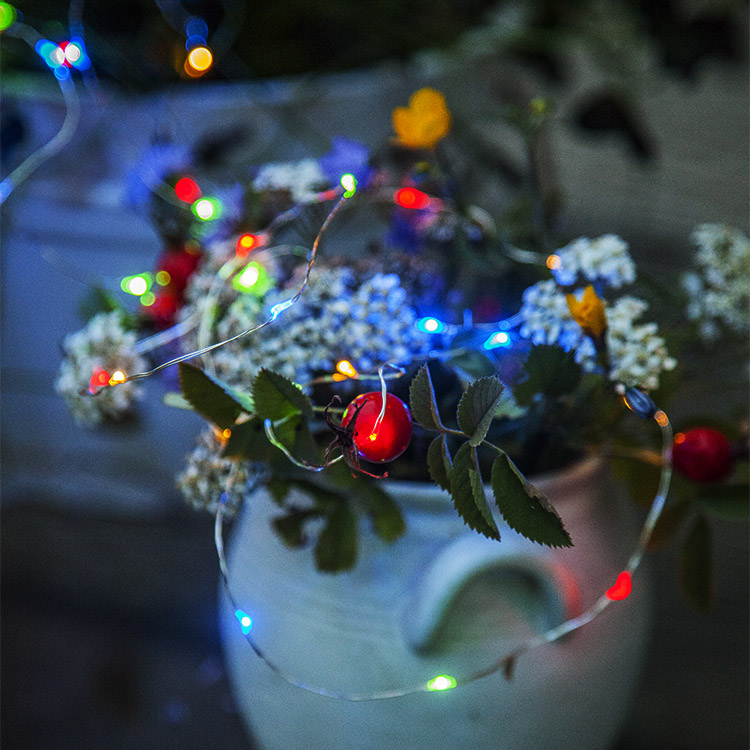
(422,401)
(277,398)
(100,300)
(477,408)
(468,494)
(550,371)
(211,398)
(727,503)
(336,549)
(696,575)
(439,462)
(525,508)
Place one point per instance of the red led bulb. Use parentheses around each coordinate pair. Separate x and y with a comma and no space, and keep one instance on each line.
(377,440)
(702,454)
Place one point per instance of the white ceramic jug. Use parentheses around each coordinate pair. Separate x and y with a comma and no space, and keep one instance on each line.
(441,600)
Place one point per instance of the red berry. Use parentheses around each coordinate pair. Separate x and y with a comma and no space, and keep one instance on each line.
(180,265)
(703,454)
(379,441)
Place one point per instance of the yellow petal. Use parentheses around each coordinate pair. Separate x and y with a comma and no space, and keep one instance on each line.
(589,313)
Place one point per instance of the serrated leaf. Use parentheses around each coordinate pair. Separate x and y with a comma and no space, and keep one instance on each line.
(439,462)
(696,578)
(275,397)
(336,549)
(477,407)
(210,397)
(727,503)
(468,495)
(525,508)
(551,371)
(422,401)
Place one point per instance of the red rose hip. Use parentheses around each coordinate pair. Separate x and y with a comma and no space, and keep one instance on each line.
(384,440)
(702,454)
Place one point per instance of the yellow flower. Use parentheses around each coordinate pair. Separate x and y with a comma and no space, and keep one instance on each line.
(588,313)
(424,122)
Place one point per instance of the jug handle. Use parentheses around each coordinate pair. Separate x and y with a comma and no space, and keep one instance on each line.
(471,555)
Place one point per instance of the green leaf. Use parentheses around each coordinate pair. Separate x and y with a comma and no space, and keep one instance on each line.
(728,502)
(422,401)
(525,508)
(176,401)
(294,434)
(210,397)
(290,526)
(477,407)
(248,440)
(468,493)
(387,521)
(98,300)
(439,462)
(696,579)
(277,398)
(551,371)
(336,549)
(671,519)
(472,362)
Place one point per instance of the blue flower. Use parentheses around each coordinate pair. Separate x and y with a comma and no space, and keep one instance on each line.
(346,157)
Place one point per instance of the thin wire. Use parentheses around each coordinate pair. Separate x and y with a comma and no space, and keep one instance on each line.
(507,661)
(276,310)
(63,136)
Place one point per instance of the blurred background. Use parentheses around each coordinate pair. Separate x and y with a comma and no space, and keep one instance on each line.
(109,584)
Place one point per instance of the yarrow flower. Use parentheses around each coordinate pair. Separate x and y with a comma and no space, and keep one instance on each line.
(605,259)
(209,476)
(637,353)
(367,322)
(303,179)
(424,122)
(719,288)
(103,346)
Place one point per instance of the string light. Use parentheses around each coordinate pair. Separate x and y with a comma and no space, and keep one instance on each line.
(163,278)
(430,325)
(207,209)
(346,368)
(252,279)
(248,242)
(246,622)
(499,339)
(619,591)
(99,379)
(349,183)
(187,190)
(118,376)
(138,284)
(199,61)
(553,262)
(148,299)
(442,682)
(409,197)
(7,16)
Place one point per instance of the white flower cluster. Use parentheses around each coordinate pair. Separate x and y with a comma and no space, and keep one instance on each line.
(719,289)
(604,259)
(208,475)
(104,344)
(338,317)
(637,353)
(303,179)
